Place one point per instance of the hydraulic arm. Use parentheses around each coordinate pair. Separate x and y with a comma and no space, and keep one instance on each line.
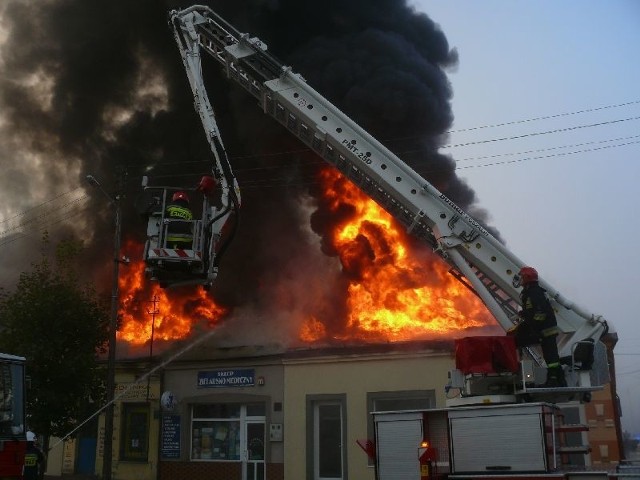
(427,213)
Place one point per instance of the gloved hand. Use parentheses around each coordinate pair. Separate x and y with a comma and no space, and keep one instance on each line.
(513,329)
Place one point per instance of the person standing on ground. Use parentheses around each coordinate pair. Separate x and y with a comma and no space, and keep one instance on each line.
(33,460)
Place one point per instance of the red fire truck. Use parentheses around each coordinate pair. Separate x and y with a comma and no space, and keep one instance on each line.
(13,441)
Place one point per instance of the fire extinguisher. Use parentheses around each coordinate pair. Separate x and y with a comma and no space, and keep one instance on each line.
(427,458)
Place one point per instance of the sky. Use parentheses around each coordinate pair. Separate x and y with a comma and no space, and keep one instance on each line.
(545,113)
(568,207)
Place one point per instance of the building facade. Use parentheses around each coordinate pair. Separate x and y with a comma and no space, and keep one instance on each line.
(272,414)
(269,413)
(225,417)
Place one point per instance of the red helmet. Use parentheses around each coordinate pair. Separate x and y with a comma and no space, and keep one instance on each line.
(528,275)
(180,196)
(207,184)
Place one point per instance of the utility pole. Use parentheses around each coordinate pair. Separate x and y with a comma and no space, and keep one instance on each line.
(153,314)
(113,324)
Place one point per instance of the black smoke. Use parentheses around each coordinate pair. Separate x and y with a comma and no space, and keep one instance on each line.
(96,86)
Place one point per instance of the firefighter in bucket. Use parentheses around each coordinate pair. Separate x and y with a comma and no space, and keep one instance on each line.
(538,325)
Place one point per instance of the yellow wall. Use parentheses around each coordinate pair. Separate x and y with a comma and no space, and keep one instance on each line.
(130,392)
(353,377)
(58,456)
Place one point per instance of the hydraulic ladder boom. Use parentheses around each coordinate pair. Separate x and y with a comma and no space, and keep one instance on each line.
(427,213)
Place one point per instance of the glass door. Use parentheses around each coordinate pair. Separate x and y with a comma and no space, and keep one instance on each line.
(327,433)
(253,465)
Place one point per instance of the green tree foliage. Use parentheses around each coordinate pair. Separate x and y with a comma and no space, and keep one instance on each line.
(58,323)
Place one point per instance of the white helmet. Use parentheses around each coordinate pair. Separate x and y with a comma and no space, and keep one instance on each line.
(31,437)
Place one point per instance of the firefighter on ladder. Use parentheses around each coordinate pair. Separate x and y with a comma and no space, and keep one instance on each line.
(539,326)
(179,231)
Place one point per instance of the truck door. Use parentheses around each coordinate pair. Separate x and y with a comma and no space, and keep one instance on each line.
(398,436)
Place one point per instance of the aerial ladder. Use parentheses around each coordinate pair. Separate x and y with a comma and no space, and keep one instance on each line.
(194,263)
(460,240)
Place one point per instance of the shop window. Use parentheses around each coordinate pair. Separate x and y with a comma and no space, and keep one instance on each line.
(134,442)
(219,431)
(217,410)
(216,440)
(256,410)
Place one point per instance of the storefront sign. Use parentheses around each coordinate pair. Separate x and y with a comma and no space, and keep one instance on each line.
(170,436)
(137,391)
(245,377)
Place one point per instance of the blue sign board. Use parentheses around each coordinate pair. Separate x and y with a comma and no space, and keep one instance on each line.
(170,436)
(243,377)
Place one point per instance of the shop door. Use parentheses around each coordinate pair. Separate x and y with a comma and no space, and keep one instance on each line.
(328,452)
(253,466)
(86,463)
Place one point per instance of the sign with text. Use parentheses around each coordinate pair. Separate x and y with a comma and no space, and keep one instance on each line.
(170,436)
(137,391)
(243,377)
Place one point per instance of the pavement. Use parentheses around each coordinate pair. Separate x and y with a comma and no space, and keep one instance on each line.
(71,476)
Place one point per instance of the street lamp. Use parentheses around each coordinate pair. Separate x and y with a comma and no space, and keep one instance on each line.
(113,324)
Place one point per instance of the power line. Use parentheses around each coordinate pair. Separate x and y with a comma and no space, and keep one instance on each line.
(560,154)
(546,149)
(546,117)
(24,212)
(61,217)
(547,132)
(279,182)
(39,218)
(282,182)
(588,110)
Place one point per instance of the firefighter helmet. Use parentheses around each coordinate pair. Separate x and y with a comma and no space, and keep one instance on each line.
(207,184)
(528,275)
(180,196)
(31,437)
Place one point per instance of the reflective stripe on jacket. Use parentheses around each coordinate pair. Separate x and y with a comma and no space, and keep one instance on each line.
(178,212)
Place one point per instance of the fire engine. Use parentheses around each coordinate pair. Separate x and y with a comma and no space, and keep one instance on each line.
(502,403)
(13,440)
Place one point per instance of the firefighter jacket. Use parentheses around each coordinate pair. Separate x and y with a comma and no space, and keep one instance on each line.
(537,312)
(179,232)
(33,463)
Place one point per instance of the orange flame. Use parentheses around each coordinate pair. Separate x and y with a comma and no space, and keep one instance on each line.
(171,314)
(398,290)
